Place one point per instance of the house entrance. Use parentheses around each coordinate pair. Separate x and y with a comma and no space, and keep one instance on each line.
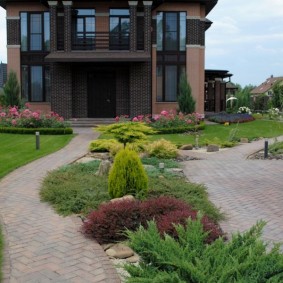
(101,94)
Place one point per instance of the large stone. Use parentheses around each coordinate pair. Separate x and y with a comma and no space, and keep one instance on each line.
(186,147)
(212,148)
(148,167)
(103,168)
(127,197)
(244,140)
(133,259)
(120,251)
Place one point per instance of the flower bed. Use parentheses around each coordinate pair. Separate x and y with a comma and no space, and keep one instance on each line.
(223,118)
(13,117)
(169,122)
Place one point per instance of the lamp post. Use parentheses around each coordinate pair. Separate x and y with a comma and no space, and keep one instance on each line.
(265,148)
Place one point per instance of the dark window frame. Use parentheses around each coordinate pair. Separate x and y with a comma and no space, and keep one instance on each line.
(84,38)
(43,71)
(43,47)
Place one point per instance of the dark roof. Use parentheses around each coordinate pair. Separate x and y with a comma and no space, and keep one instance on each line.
(267,85)
(89,56)
(209,4)
(212,74)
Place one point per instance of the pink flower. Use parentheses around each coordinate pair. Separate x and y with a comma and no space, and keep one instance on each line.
(35,115)
(156,117)
(164,113)
(2,114)
(189,121)
(14,122)
(135,119)
(117,118)
(140,117)
(27,105)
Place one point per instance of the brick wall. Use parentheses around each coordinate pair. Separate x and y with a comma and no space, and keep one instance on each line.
(61,89)
(13,32)
(122,93)
(195,32)
(140,89)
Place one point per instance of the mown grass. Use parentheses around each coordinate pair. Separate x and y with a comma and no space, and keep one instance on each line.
(18,150)
(76,189)
(251,130)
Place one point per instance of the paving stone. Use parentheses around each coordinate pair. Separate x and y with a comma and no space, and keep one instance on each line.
(42,246)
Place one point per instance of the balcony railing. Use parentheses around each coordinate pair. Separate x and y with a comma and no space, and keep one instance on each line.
(101,40)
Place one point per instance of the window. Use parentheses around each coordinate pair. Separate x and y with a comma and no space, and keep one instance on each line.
(35,31)
(171,31)
(167,82)
(35,83)
(83,25)
(119,29)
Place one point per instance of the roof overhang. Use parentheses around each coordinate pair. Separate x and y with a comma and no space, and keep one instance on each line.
(97,56)
(212,74)
(209,4)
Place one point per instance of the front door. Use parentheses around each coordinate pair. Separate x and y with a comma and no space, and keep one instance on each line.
(101,94)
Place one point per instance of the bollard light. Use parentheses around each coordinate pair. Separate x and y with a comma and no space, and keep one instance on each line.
(161,166)
(197,137)
(265,148)
(37,140)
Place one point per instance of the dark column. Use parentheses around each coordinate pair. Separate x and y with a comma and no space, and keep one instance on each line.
(67,25)
(133,25)
(223,96)
(210,94)
(53,25)
(13,31)
(147,25)
(217,89)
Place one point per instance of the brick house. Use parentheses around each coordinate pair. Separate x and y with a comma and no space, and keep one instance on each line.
(106,58)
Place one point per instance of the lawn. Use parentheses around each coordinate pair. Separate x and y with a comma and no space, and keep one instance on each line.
(17,150)
(250,130)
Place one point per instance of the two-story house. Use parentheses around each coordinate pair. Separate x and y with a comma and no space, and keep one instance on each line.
(105,58)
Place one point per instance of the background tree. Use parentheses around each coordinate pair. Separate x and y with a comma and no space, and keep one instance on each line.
(243,96)
(12,90)
(185,99)
(277,97)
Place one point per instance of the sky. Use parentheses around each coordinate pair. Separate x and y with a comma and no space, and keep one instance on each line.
(246,39)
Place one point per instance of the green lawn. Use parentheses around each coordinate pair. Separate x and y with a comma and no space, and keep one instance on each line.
(17,150)
(250,130)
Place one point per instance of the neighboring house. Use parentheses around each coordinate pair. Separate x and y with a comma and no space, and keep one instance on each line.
(266,87)
(106,58)
(3,74)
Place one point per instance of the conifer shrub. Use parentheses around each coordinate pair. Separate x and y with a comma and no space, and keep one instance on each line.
(103,145)
(162,149)
(127,175)
(109,222)
(245,258)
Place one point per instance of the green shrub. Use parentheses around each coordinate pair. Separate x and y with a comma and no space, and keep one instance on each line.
(162,149)
(221,143)
(42,131)
(127,132)
(182,129)
(245,258)
(12,90)
(103,145)
(127,175)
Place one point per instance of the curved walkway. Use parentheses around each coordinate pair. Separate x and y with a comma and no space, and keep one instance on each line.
(245,190)
(42,246)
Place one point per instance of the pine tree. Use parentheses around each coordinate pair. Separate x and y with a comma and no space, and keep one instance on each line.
(185,99)
(12,90)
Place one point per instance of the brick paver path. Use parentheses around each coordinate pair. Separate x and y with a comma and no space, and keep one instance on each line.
(42,246)
(245,190)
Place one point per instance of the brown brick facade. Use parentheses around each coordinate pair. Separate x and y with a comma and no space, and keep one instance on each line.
(67,28)
(122,92)
(195,32)
(53,28)
(133,26)
(13,32)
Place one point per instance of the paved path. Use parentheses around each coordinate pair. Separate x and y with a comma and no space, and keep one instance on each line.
(42,246)
(245,190)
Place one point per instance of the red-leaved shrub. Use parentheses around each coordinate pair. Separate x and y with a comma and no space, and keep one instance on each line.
(110,220)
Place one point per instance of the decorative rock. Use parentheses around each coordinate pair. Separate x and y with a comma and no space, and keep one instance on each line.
(148,167)
(212,148)
(121,251)
(85,160)
(127,197)
(244,140)
(104,168)
(133,259)
(186,147)
(99,155)
(111,253)
(107,246)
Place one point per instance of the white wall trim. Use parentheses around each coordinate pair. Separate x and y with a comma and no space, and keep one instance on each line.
(52,3)
(13,46)
(12,18)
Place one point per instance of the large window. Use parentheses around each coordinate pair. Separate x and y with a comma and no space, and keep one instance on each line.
(83,25)
(35,31)
(119,29)
(171,31)
(35,83)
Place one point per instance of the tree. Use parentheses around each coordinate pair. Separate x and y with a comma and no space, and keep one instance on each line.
(12,90)
(185,99)
(277,98)
(243,96)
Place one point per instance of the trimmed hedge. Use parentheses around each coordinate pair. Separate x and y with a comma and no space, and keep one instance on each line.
(177,130)
(42,131)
